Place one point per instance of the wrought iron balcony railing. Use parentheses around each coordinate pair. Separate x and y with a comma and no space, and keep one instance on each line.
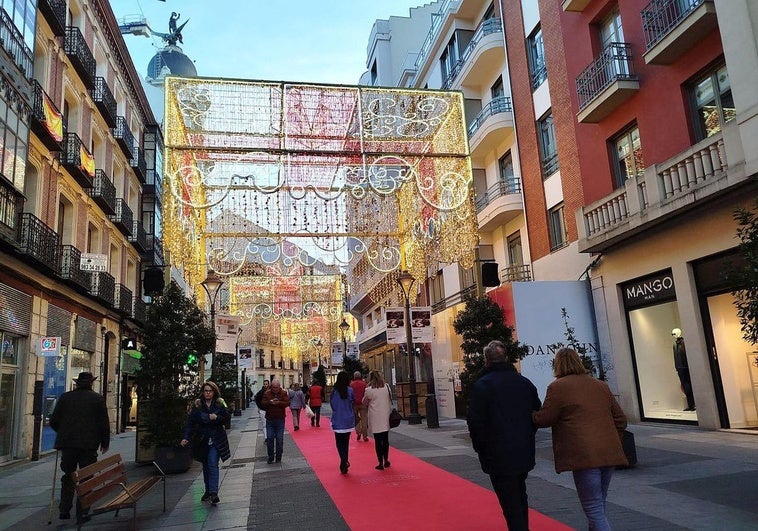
(78,160)
(104,193)
(54,12)
(486,27)
(516,273)
(80,56)
(11,205)
(104,100)
(38,241)
(124,137)
(660,17)
(437,20)
(154,252)
(103,287)
(123,217)
(138,239)
(613,64)
(13,42)
(139,310)
(46,119)
(499,189)
(71,267)
(123,302)
(495,106)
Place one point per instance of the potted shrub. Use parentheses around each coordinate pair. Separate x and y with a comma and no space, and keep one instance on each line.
(176,335)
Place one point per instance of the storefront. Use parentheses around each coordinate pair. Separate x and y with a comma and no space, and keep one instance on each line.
(659,357)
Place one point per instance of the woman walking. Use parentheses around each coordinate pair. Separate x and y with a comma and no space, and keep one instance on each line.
(315,399)
(205,428)
(378,398)
(297,403)
(343,419)
(587,423)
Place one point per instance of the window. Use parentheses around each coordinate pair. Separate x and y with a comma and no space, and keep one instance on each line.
(712,102)
(548,146)
(490,13)
(557,228)
(507,178)
(611,30)
(373,73)
(449,57)
(496,90)
(437,288)
(14,135)
(627,156)
(515,250)
(536,49)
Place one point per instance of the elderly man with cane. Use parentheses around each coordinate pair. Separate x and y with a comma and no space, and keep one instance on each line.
(80,420)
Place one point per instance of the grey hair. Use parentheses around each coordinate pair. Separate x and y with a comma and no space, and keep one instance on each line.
(494,352)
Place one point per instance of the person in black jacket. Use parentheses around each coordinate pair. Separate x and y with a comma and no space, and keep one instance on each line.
(205,428)
(502,432)
(80,420)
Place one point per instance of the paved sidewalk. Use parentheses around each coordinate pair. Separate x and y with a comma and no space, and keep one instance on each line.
(686,479)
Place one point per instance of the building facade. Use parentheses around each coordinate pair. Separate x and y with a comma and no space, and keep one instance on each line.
(72,185)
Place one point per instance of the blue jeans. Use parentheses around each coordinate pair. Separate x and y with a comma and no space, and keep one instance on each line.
(210,470)
(274,433)
(592,489)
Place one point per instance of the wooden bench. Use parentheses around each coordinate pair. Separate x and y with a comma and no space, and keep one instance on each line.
(98,480)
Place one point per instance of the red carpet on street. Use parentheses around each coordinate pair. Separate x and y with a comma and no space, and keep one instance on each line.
(411,494)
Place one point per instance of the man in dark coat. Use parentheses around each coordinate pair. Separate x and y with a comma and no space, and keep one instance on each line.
(80,420)
(502,432)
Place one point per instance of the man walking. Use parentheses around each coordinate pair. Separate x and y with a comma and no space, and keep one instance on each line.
(80,420)
(259,400)
(359,410)
(502,432)
(275,401)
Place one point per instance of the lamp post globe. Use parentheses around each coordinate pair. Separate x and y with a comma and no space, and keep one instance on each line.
(211,285)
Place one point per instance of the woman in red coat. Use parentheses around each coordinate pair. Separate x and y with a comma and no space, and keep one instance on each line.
(587,423)
(316,397)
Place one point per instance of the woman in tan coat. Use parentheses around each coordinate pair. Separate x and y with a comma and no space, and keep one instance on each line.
(587,422)
(378,399)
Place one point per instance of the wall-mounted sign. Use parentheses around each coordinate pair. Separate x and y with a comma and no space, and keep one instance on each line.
(49,347)
(94,262)
(651,289)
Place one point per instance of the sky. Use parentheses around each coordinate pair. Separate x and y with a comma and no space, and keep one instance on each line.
(319,41)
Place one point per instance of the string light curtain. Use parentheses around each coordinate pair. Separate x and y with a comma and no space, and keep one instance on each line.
(284,178)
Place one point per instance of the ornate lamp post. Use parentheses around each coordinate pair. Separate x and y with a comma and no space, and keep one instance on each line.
(211,285)
(344,327)
(406,282)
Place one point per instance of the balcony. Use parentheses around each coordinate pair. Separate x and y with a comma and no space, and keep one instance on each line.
(153,255)
(104,100)
(482,56)
(13,43)
(54,12)
(123,217)
(499,204)
(606,83)
(576,6)
(439,19)
(70,268)
(103,288)
(672,27)
(104,193)
(153,184)
(11,204)
(139,165)
(80,56)
(139,310)
(516,273)
(493,125)
(124,137)
(673,187)
(138,239)
(38,242)
(77,160)
(123,302)
(46,119)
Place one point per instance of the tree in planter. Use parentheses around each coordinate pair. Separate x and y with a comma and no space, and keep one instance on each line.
(176,335)
(482,321)
(224,374)
(745,276)
(352,364)
(320,376)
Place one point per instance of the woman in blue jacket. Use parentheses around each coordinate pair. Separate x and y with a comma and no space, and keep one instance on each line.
(205,428)
(343,418)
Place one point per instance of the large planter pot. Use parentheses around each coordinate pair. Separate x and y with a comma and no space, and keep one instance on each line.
(174,459)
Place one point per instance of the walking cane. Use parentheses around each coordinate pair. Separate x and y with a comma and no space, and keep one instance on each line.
(52,496)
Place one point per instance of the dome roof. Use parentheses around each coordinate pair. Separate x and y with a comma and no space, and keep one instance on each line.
(173,58)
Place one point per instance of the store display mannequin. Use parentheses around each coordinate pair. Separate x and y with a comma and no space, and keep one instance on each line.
(682,368)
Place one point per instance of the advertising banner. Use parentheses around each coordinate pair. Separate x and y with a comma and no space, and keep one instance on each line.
(395,319)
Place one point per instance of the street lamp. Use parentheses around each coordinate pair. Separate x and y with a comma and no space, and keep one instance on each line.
(211,285)
(344,327)
(406,282)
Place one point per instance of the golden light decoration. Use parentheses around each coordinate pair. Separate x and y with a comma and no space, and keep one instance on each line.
(265,180)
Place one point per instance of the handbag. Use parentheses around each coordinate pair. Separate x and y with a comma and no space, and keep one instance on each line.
(309,412)
(394,415)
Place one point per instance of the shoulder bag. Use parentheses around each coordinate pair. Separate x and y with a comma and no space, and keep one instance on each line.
(394,415)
